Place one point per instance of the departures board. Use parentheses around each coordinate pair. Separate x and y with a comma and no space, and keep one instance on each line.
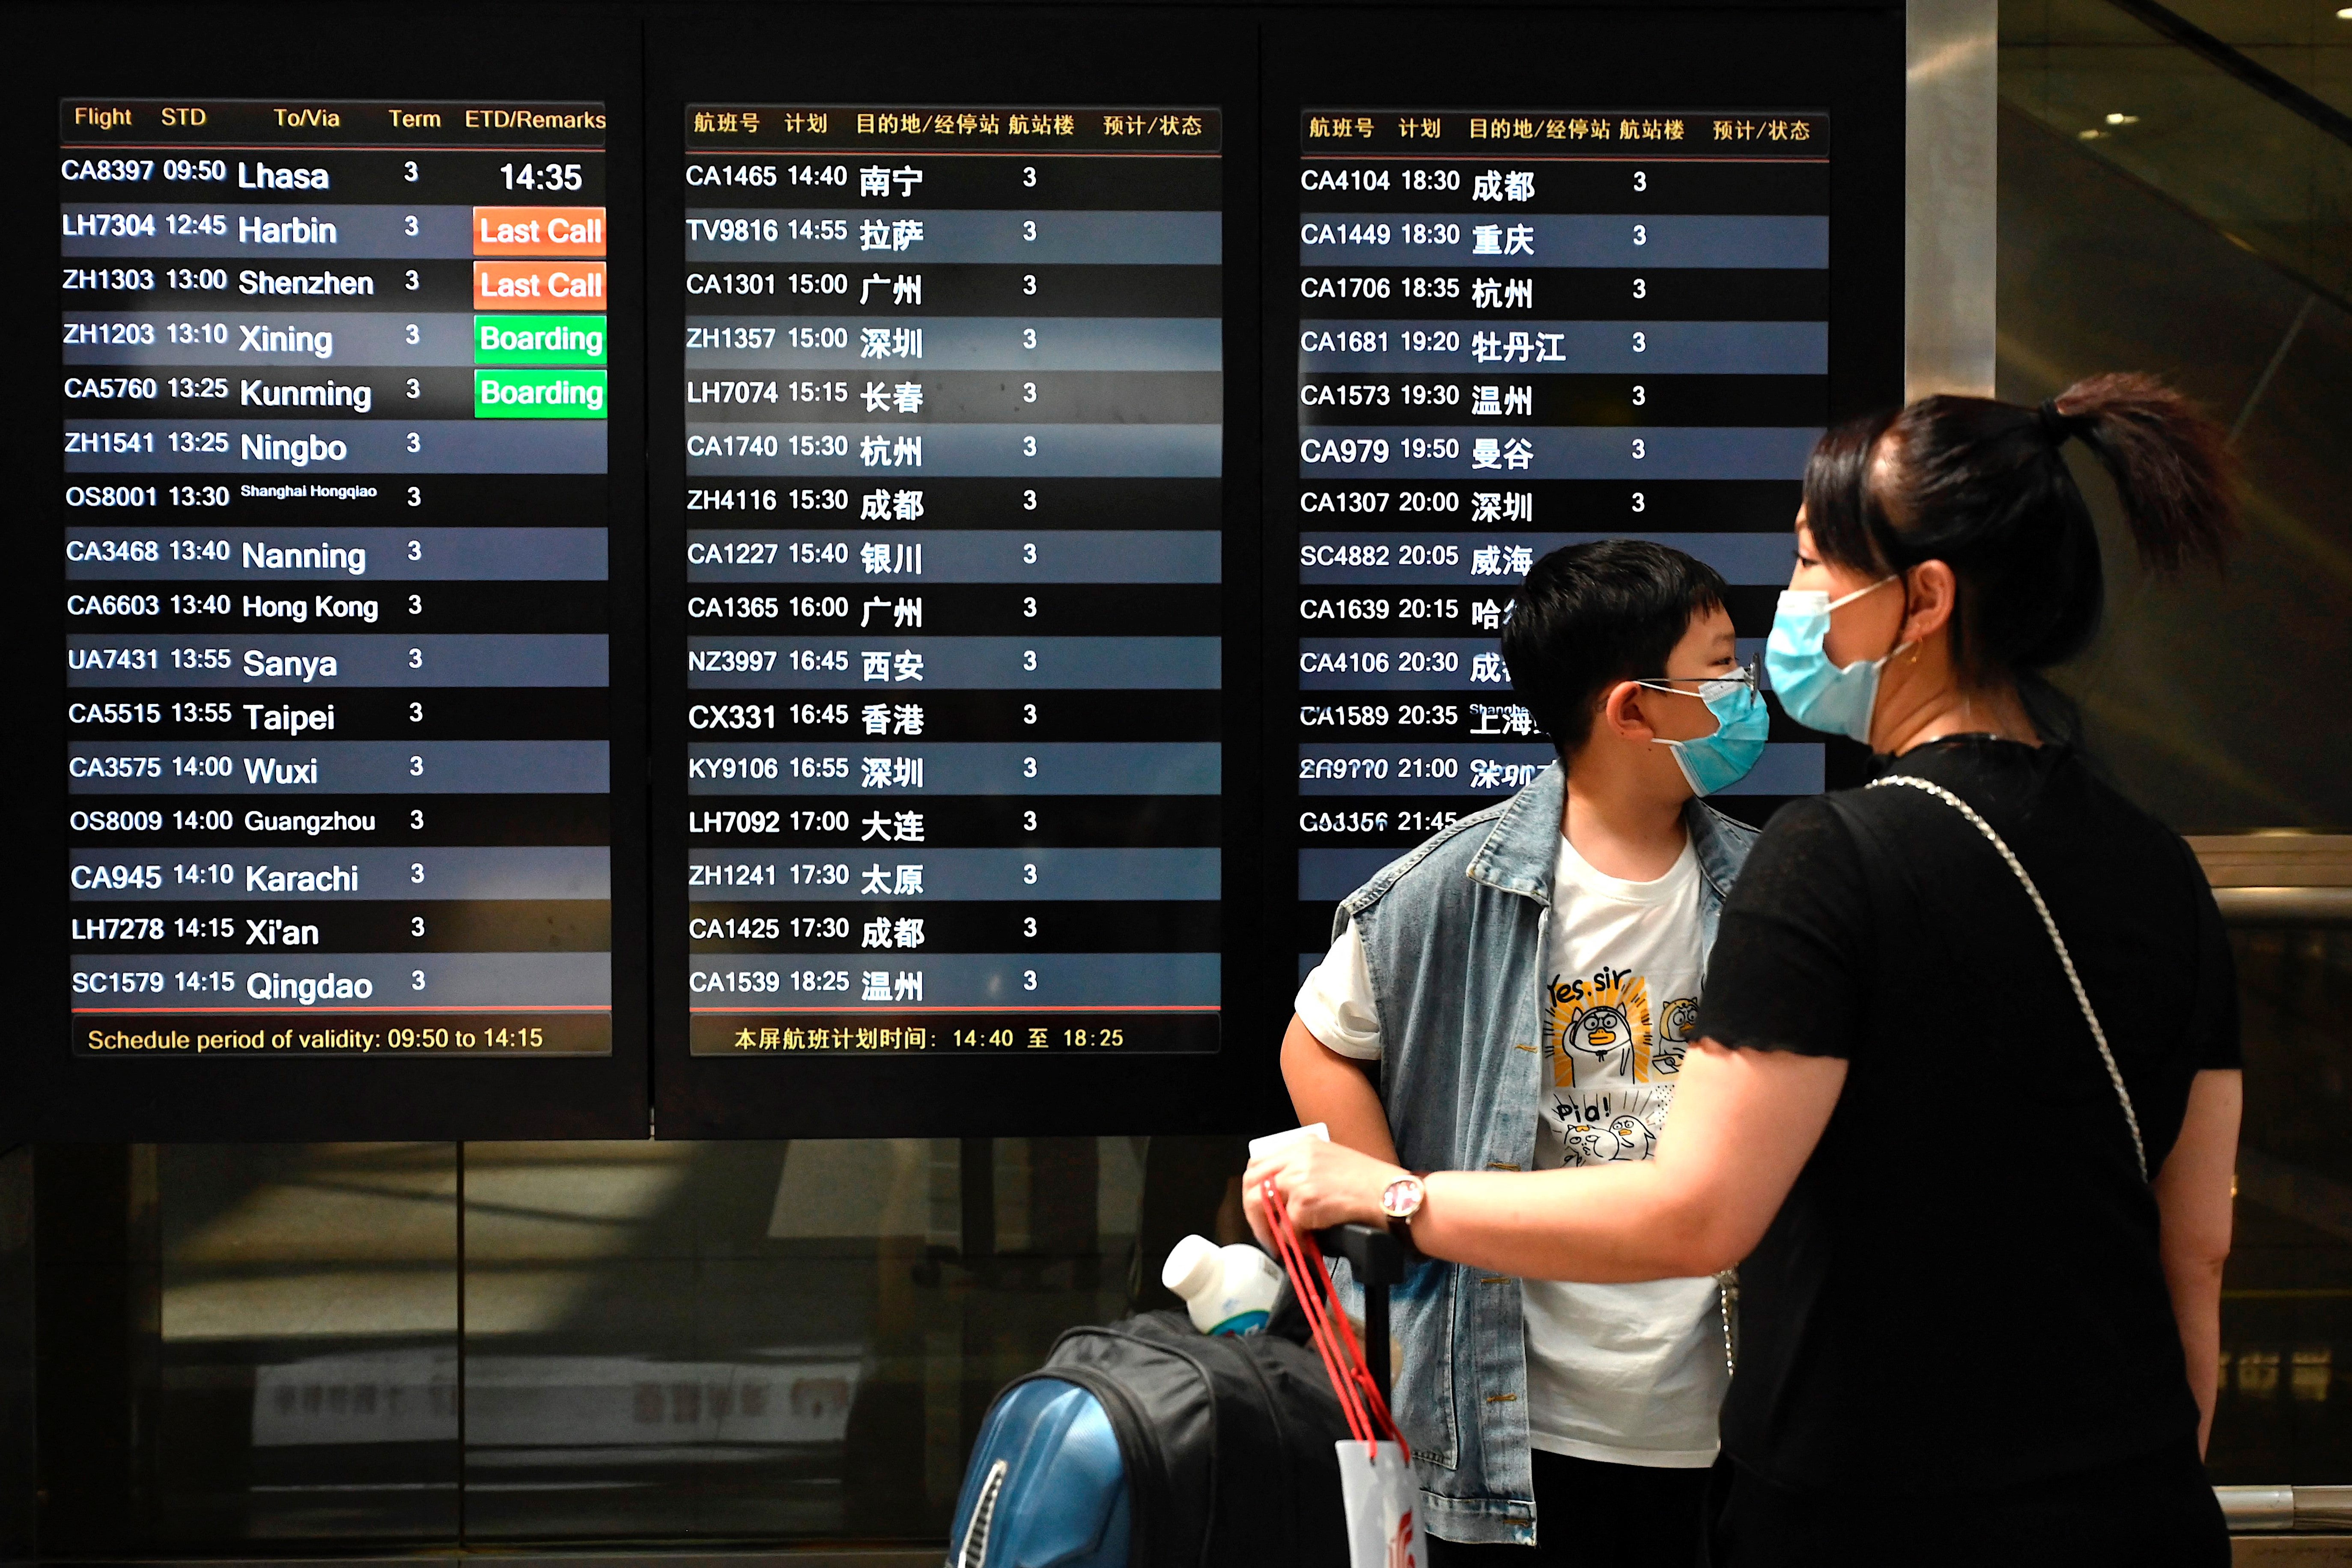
(336,379)
(1621,298)
(1522,329)
(856,571)
(954,436)
(963,736)
(352,630)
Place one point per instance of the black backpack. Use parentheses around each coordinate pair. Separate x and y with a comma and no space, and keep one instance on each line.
(1227,1442)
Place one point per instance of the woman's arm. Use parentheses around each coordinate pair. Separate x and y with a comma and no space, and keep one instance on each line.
(1743,1124)
(2193,1198)
(1334,1089)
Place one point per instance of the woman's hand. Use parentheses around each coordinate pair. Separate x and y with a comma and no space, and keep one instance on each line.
(1321,1184)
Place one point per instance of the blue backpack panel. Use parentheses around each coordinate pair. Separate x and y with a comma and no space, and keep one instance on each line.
(1145,1444)
(1046,1488)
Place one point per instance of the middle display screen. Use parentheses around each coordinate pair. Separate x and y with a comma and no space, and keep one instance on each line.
(954,436)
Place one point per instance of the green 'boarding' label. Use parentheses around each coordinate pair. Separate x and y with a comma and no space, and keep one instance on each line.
(539,339)
(538,394)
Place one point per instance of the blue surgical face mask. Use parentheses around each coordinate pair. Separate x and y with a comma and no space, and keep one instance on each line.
(1716,762)
(1818,694)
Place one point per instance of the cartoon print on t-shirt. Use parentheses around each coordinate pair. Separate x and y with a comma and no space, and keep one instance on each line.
(1597,1131)
(1679,1023)
(1636,1140)
(1594,1018)
(1599,1029)
(1589,1145)
(1611,1067)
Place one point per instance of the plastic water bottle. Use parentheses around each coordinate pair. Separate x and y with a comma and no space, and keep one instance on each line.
(1227,1289)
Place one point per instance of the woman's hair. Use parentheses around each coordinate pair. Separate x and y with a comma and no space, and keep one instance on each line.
(1981,486)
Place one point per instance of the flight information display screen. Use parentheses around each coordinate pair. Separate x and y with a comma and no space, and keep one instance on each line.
(1058,548)
(335,390)
(954,532)
(1518,329)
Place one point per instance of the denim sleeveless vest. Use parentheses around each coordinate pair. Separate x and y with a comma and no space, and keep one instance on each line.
(1453,938)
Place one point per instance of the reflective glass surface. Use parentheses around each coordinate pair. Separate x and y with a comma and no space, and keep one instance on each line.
(2284,1413)
(305,1344)
(2250,165)
(332,1347)
(17,1479)
(2181,697)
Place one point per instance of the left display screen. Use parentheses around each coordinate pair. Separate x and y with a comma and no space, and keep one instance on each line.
(335,384)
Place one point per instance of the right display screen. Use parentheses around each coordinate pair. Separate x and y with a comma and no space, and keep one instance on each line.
(1518,330)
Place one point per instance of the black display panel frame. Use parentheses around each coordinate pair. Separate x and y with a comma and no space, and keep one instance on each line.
(357,53)
(970,56)
(1262,65)
(1845,61)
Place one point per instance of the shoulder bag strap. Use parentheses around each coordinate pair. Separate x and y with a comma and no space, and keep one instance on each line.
(2065,959)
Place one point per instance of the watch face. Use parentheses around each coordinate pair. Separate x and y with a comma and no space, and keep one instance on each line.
(1402,1199)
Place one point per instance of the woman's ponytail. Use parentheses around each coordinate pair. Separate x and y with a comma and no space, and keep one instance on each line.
(2170,463)
(1981,486)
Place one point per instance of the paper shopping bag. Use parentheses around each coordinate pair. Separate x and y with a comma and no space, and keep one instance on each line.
(1382,1493)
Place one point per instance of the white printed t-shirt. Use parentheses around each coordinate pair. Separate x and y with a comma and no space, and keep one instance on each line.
(1630,1374)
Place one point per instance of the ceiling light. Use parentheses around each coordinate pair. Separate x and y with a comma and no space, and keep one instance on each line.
(2091,135)
(2344,14)
(2122,120)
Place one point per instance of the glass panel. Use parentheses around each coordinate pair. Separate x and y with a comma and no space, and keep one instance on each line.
(2286,1408)
(2251,166)
(257,1347)
(306,1344)
(745,1340)
(2190,696)
(94,1304)
(2306,41)
(18,1478)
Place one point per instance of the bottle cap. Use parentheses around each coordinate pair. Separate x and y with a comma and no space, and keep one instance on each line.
(1192,1268)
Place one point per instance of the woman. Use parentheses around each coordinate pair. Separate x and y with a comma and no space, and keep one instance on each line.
(1980,1234)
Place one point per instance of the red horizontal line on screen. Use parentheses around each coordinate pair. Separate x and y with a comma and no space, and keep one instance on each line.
(920,1012)
(315,1012)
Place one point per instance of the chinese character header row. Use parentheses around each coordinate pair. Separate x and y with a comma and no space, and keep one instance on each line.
(1688,132)
(267,123)
(805,127)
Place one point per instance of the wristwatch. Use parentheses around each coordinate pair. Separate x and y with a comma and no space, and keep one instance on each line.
(1401,1199)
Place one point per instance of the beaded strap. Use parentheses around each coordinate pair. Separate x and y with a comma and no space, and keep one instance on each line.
(2065,959)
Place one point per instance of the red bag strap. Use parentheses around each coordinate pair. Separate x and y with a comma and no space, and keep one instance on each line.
(1368,1416)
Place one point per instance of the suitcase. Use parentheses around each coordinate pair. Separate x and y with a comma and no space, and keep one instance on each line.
(1147,1444)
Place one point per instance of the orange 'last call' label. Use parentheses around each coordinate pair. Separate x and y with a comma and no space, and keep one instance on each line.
(539,285)
(538,231)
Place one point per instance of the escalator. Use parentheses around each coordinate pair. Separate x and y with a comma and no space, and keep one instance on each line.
(2208,236)
(2174,202)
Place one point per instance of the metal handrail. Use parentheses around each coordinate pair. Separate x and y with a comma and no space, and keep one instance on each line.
(2326,116)
(2204,186)
(2251,1510)
(2285,906)
(2279,878)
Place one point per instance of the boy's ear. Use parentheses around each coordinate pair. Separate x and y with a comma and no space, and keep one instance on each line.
(1621,712)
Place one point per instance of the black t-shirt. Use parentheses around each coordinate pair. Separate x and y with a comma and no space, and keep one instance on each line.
(1962,1288)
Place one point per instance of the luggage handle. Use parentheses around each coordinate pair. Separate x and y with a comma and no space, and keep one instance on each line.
(1361,1398)
(1378,1262)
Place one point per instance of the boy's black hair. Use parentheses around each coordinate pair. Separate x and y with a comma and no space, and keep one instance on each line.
(1590,615)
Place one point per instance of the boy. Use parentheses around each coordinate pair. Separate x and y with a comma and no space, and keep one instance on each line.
(1523,985)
